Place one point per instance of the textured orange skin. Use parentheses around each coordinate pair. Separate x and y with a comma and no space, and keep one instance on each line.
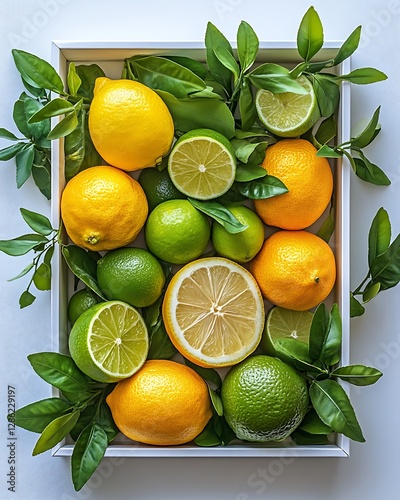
(129,124)
(294,269)
(164,403)
(103,208)
(308,179)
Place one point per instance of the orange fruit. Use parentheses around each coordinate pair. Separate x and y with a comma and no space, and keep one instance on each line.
(129,124)
(294,269)
(164,403)
(309,181)
(103,208)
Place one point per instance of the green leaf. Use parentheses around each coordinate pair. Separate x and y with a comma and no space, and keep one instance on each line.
(11,151)
(249,172)
(5,134)
(266,187)
(301,437)
(67,125)
(369,172)
(42,277)
(55,432)
(248,134)
(208,437)
(333,406)
(243,148)
(247,45)
(163,74)
(356,309)
(38,130)
(74,82)
(60,371)
(189,114)
(328,152)
(83,266)
(295,353)
(55,107)
(33,89)
(364,138)
(310,36)
(327,130)
(327,93)
(88,452)
(275,78)
(23,272)
(37,222)
(247,108)
(371,291)
(196,67)
(21,245)
(312,424)
(332,346)
(318,331)
(328,226)
(348,47)
(88,75)
(358,374)
(379,235)
(363,76)
(216,401)
(36,70)
(208,374)
(24,163)
(214,38)
(226,58)
(385,268)
(219,213)
(35,417)
(26,299)
(161,346)
(41,176)
(105,420)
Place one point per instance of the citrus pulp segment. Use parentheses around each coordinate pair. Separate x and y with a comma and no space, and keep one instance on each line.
(213,312)
(109,341)
(202,164)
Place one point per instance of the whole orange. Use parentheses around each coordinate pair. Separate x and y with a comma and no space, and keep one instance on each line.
(129,124)
(164,403)
(308,179)
(295,270)
(103,208)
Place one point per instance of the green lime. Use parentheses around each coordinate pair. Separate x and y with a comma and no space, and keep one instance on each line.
(176,232)
(202,164)
(285,324)
(109,341)
(264,399)
(158,186)
(79,302)
(288,114)
(132,275)
(240,247)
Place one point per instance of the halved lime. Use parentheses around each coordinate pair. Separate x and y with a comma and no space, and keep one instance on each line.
(109,341)
(202,164)
(288,114)
(285,324)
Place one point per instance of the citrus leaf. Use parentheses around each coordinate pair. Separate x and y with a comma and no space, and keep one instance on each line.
(275,78)
(208,374)
(301,437)
(369,172)
(37,222)
(331,348)
(348,47)
(24,162)
(328,152)
(220,214)
(88,73)
(327,130)
(310,36)
(214,38)
(226,58)
(358,374)
(364,138)
(328,226)
(247,45)
(363,76)
(356,309)
(74,82)
(26,299)
(249,172)
(161,346)
(22,244)
(23,272)
(55,107)
(247,108)
(208,437)
(216,401)
(379,235)
(42,277)
(5,134)
(55,432)
(11,151)
(259,189)
(371,291)
(312,424)
(327,93)
(64,127)
(35,417)
(385,268)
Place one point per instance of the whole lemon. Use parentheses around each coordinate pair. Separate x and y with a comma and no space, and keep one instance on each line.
(164,403)
(264,399)
(103,208)
(129,124)
(308,179)
(294,269)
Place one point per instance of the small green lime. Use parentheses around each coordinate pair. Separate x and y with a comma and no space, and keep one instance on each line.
(158,186)
(240,247)
(264,399)
(79,302)
(176,232)
(132,275)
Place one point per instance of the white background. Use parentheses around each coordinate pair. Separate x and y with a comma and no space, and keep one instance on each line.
(372,471)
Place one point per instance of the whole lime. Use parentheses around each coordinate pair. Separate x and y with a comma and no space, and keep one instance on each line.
(79,302)
(158,186)
(132,275)
(243,246)
(264,399)
(176,232)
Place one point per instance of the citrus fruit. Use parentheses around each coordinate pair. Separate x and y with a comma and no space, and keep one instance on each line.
(158,186)
(202,164)
(288,114)
(176,232)
(165,403)
(109,341)
(79,302)
(132,275)
(240,247)
(308,179)
(264,399)
(213,312)
(294,269)
(103,208)
(285,324)
(129,124)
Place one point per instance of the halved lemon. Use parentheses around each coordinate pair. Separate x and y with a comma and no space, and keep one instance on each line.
(213,312)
